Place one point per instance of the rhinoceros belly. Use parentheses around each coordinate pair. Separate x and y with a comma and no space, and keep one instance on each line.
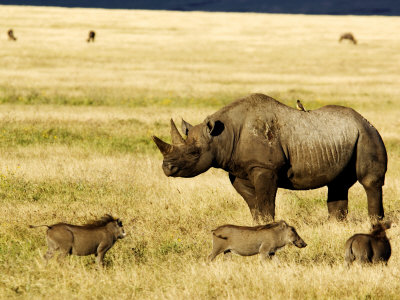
(319,149)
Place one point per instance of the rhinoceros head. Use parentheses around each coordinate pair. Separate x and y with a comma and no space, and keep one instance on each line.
(192,156)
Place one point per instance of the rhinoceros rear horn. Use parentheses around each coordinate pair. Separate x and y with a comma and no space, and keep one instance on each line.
(176,137)
(164,147)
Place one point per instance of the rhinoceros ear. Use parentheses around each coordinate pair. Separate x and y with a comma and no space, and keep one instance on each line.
(186,127)
(215,128)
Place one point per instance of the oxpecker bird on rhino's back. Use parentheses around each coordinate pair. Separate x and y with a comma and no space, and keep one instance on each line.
(265,145)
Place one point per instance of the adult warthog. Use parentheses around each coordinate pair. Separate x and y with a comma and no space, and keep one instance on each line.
(247,241)
(93,238)
(264,144)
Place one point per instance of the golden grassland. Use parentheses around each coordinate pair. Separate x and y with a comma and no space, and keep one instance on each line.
(75,127)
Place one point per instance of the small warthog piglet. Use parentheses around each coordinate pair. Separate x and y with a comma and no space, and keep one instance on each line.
(246,241)
(92,238)
(369,248)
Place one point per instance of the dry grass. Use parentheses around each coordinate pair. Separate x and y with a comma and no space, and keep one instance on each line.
(74,144)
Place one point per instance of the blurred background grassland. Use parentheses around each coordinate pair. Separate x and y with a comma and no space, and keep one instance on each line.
(75,127)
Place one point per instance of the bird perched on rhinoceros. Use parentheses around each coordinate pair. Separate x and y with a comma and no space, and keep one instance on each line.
(265,145)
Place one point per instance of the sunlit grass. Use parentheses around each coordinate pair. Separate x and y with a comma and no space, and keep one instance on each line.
(76,122)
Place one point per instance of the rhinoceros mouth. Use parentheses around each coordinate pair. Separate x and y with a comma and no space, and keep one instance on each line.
(170,170)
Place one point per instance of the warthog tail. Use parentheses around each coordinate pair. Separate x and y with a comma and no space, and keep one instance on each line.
(220,236)
(36,226)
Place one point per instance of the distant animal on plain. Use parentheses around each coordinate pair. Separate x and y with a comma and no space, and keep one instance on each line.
(11,36)
(348,36)
(247,241)
(92,238)
(264,145)
(369,248)
(300,106)
(91,36)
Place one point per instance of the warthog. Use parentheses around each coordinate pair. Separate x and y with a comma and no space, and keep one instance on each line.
(91,36)
(369,248)
(92,238)
(247,241)
(348,36)
(11,36)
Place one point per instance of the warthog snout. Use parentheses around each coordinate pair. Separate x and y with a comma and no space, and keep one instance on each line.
(300,243)
(294,237)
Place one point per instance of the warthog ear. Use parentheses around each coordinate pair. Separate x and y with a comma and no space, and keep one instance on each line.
(185,127)
(176,137)
(215,128)
(282,224)
(164,147)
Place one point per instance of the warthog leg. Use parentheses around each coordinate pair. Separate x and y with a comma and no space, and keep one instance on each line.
(101,252)
(215,252)
(63,254)
(49,255)
(265,252)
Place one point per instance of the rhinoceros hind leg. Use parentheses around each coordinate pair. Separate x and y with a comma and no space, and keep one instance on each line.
(374,198)
(338,201)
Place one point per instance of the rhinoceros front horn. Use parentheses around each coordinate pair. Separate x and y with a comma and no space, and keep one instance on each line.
(164,147)
(176,137)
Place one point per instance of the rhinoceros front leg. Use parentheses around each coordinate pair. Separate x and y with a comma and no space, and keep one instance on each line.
(245,189)
(265,185)
(259,193)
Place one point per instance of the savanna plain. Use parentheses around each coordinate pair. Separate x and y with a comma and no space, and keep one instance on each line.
(76,121)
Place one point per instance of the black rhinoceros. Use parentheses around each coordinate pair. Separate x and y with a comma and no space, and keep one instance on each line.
(264,144)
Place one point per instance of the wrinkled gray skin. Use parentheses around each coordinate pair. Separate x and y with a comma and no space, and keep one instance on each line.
(96,238)
(369,248)
(264,144)
(247,241)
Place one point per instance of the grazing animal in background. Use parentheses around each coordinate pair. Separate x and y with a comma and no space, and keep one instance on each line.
(247,241)
(265,145)
(300,106)
(92,238)
(11,36)
(348,36)
(91,36)
(369,248)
